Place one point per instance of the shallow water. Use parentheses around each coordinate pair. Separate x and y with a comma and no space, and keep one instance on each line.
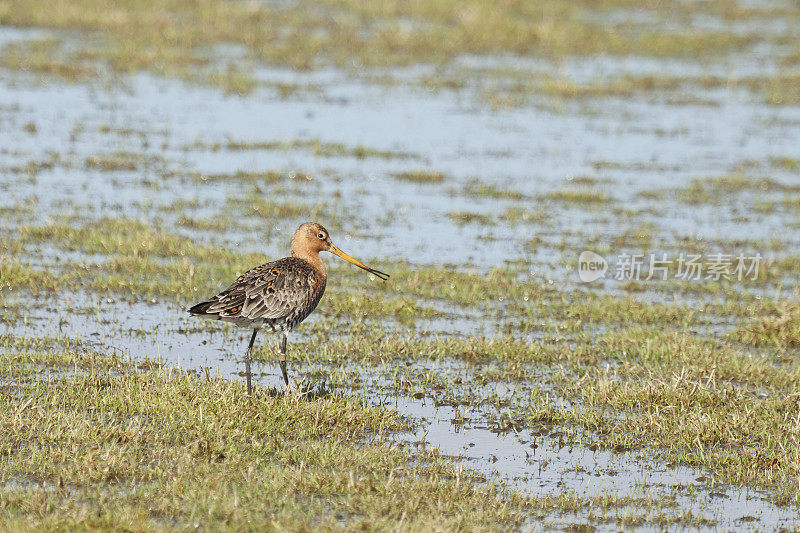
(540,151)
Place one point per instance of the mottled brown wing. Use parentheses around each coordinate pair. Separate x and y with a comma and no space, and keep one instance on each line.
(270,291)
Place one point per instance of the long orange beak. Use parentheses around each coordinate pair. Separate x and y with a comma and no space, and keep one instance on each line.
(336,251)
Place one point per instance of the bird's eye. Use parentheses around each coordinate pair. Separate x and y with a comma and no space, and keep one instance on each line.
(321,235)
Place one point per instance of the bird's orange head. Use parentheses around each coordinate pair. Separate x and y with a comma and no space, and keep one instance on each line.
(312,238)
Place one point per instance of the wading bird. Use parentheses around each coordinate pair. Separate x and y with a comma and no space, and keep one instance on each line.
(278,295)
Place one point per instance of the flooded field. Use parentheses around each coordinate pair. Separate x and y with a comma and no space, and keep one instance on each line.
(592,231)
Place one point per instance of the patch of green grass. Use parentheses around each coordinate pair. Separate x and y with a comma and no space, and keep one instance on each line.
(785,163)
(639,236)
(420,176)
(578,196)
(778,328)
(146,448)
(713,190)
(144,260)
(19,210)
(778,90)
(272,209)
(586,181)
(338,303)
(212,224)
(315,146)
(117,161)
(515,215)
(169,39)
(120,237)
(685,398)
(15,274)
(46,57)
(467,217)
(263,178)
(788,202)
(488,190)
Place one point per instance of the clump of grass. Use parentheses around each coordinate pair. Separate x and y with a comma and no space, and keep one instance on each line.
(686,399)
(114,162)
(231,81)
(641,236)
(578,196)
(215,224)
(46,57)
(15,275)
(779,90)
(270,209)
(404,309)
(710,190)
(420,176)
(488,190)
(692,422)
(467,217)
(114,236)
(515,215)
(780,328)
(786,163)
(266,177)
(315,146)
(586,181)
(788,202)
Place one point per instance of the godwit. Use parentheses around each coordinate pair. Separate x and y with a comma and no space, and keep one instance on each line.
(278,295)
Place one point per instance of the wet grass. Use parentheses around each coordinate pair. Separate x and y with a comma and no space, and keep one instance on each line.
(778,327)
(314,146)
(175,39)
(156,449)
(716,189)
(420,176)
(511,88)
(694,401)
(578,196)
(468,217)
(209,224)
(482,189)
(619,372)
(113,162)
(244,176)
(682,397)
(270,209)
(46,57)
(517,215)
(141,258)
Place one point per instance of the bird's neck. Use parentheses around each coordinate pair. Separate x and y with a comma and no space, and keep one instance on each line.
(312,258)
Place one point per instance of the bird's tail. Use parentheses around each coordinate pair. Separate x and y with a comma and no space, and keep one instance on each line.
(200,309)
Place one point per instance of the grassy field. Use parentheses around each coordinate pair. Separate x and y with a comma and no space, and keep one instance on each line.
(150,152)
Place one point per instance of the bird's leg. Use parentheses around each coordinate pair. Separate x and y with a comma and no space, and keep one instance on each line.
(282,360)
(247,357)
